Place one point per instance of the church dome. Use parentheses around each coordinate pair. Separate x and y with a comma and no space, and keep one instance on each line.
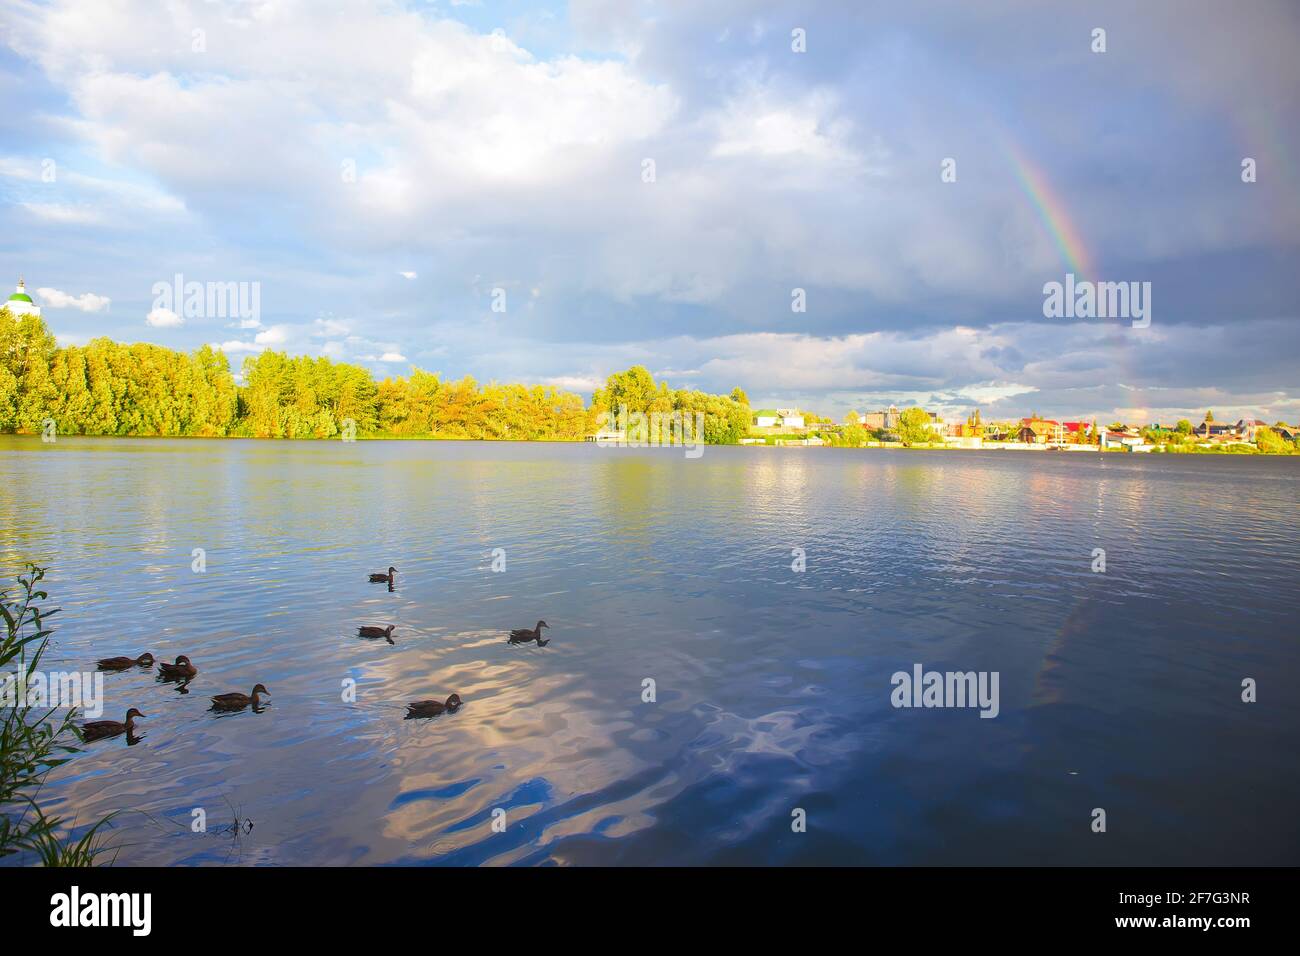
(20,303)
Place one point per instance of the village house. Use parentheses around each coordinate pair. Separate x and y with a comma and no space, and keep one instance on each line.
(1248,428)
(1075,431)
(788,418)
(1123,440)
(886,420)
(962,435)
(1040,431)
(1216,430)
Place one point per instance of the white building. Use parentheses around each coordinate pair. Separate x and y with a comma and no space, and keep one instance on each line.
(790,418)
(1249,428)
(20,303)
(1110,439)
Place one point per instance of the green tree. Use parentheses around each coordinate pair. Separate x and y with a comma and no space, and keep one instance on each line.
(108,388)
(853,435)
(8,400)
(1271,443)
(26,350)
(634,388)
(913,426)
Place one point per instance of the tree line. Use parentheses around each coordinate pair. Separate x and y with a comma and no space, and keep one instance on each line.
(726,417)
(111,388)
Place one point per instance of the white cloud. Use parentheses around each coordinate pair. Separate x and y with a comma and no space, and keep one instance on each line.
(88,200)
(330,328)
(86,302)
(808,130)
(575,383)
(985,393)
(408,275)
(66,214)
(24,170)
(235,345)
(276,335)
(392,357)
(163,319)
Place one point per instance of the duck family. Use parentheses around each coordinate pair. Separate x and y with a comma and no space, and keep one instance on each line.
(184,669)
(434,708)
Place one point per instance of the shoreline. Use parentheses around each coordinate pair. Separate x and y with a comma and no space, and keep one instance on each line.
(794,443)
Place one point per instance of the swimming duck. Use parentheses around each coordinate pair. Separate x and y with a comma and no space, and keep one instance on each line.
(240,701)
(432,708)
(367,630)
(98,729)
(181,670)
(382,578)
(522,635)
(122,663)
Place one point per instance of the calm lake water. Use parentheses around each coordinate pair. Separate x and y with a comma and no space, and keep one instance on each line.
(1119,690)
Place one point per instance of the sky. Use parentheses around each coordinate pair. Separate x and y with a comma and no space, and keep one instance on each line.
(550,192)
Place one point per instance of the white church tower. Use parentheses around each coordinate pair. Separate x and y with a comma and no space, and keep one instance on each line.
(20,303)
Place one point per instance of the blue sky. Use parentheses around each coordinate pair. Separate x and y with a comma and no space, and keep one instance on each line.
(502,145)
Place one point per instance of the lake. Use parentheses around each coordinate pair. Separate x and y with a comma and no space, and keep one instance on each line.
(1119,690)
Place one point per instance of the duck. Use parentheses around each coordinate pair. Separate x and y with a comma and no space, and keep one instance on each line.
(98,729)
(122,663)
(368,630)
(522,635)
(381,578)
(240,701)
(432,708)
(183,669)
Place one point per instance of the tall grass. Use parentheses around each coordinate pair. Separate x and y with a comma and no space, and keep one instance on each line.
(33,740)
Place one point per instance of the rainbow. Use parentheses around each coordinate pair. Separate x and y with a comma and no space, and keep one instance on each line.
(1052,212)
